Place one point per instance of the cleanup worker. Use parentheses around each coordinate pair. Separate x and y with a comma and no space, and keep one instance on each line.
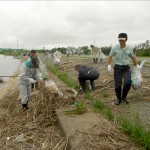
(57,57)
(34,71)
(95,53)
(86,73)
(122,53)
(25,81)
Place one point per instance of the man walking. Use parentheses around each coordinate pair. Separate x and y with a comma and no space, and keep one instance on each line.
(95,53)
(122,53)
(57,57)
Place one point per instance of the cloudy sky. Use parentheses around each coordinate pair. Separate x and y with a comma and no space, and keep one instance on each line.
(37,24)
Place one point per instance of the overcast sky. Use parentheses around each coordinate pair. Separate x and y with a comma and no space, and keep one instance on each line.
(37,24)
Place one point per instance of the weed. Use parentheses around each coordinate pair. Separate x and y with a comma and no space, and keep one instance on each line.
(109,114)
(135,131)
(98,105)
(88,96)
(80,107)
(63,76)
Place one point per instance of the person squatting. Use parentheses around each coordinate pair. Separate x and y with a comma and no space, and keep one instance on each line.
(86,73)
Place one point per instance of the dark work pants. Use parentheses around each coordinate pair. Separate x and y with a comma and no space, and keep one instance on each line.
(122,73)
(93,75)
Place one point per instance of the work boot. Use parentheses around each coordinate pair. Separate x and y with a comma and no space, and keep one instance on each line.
(25,106)
(96,60)
(118,102)
(32,85)
(83,86)
(125,100)
(125,93)
(93,85)
(118,94)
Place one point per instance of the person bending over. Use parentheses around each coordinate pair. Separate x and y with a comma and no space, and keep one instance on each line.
(86,73)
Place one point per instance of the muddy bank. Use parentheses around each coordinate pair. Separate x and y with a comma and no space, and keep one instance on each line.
(9,89)
(10,85)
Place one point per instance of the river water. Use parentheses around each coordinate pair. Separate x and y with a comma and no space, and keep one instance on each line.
(8,65)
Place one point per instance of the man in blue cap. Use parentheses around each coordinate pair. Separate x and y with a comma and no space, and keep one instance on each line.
(122,53)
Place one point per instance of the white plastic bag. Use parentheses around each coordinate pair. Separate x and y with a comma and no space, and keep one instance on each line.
(136,76)
(43,71)
(51,83)
(56,61)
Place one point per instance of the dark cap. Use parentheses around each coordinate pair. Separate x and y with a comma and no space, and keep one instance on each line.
(123,36)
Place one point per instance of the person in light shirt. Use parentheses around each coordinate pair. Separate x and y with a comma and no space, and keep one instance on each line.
(122,54)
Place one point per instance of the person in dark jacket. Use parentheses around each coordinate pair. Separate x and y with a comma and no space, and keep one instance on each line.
(86,73)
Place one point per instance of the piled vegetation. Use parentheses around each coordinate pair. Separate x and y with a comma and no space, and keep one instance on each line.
(33,129)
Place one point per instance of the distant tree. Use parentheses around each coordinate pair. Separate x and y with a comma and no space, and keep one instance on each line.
(86,50)
(53,50)
(147,44)
(63,50)
(143,45)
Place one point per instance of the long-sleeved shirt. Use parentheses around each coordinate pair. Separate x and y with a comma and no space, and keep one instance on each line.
(25,72)
(57,54)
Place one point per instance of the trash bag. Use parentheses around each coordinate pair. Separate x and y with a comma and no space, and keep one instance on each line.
(56,61)
(136,77)
(43,72)
(101,56)
(51,84)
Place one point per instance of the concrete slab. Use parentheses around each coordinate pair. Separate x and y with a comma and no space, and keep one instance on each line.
(71,124)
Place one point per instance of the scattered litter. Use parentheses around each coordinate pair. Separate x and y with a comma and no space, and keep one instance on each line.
(20,138)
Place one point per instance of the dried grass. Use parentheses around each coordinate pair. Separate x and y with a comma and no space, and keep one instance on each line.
(103,135)
(38,125)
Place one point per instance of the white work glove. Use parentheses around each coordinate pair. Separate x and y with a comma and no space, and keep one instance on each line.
(109,68)
(138,67)
(31,80)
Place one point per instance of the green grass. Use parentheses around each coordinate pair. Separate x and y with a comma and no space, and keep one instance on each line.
(63,76)
(80,108)
(88,95)
(135,131)
(97,105)
(109,114)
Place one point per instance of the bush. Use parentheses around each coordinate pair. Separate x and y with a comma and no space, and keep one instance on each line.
(143,52)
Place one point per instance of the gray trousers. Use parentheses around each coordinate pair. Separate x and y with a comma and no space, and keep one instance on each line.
(25,91)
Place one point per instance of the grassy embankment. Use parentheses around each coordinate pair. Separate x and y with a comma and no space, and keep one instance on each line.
(133,129)
(14,53)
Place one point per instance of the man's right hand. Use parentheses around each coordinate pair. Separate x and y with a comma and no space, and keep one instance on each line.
(109,68)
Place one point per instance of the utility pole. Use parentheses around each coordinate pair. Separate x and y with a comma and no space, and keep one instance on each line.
(94,41)
(17,44)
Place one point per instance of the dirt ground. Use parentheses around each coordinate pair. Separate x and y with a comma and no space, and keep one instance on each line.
(42,132)
(139,100)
